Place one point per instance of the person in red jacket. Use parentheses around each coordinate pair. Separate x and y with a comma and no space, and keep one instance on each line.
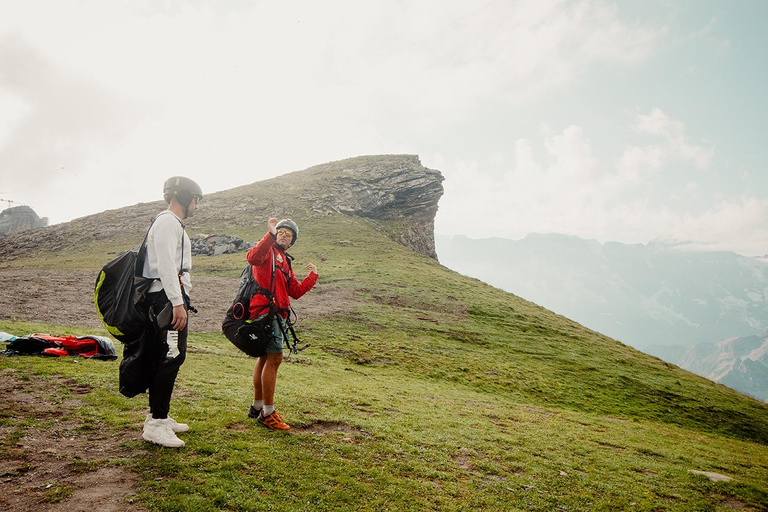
(271,266)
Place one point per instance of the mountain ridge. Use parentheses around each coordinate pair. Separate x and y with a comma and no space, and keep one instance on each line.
(394,190)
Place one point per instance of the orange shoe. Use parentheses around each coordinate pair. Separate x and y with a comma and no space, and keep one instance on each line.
(274,421)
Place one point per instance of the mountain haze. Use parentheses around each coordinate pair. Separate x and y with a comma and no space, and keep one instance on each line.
(456,394)
(683,306)
(639,294)
(740,363)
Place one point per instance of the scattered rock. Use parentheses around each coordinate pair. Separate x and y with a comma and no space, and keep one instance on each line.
(215,245)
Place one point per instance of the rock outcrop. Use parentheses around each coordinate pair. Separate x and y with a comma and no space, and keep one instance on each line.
(388,188)
(19,218)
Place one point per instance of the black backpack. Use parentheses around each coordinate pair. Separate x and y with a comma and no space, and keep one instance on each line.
(119,288)
(249,336)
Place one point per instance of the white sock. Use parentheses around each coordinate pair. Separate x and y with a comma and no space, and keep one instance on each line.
(258,404)
(268,409)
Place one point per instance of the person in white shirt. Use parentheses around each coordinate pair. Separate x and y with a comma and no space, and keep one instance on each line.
(168,261)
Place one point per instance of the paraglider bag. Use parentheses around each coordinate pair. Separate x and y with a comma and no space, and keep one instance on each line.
(249,336)
(252,337)
(118,291)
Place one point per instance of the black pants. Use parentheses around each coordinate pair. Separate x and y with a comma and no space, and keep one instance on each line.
(163,371)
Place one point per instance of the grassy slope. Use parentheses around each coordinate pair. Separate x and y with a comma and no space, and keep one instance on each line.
(436,392)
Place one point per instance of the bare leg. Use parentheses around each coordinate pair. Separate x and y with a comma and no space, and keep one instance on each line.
(268,377)
(257,371)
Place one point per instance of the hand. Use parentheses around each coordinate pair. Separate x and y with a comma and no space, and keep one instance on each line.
(311,267)
(179,318)
(271,223)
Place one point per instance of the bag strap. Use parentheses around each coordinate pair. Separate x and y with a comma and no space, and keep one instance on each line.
(273,306)
(142,253)
(181,264)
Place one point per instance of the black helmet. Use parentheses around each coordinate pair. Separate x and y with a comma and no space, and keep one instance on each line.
(183,189)
(289,224)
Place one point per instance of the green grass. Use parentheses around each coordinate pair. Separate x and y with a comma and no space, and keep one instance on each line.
(391,439)
(432,391)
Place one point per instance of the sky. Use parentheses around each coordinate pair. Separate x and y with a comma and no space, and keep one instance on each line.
(618,121)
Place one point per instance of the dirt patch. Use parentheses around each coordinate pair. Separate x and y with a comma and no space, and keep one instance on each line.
(732,503)
(462,459)
(451,306)
(53,461)
(66,298)
(324,428)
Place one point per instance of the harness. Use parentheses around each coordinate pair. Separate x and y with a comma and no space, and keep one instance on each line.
(271,308)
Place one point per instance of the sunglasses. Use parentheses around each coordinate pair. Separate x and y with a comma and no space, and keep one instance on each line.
(285,232)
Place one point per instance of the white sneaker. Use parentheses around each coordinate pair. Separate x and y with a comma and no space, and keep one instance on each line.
(175,426)
(159,432)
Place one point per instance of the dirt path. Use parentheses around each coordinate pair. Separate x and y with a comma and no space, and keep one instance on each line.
(54,462)
(66,298)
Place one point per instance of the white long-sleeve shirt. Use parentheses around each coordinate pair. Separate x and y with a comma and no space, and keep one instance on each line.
(163,261)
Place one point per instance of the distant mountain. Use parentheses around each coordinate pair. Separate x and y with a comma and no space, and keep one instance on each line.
(739,363)
(670,303)
(642,295)
(19,218)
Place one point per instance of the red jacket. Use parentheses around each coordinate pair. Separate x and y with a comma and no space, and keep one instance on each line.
(285,285)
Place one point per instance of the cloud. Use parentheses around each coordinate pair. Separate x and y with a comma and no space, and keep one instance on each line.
(105,99)
(737,224)
(727,221)
(640,163)
(562,193)
(677,143)
(122,92)
(513,52)
(637,163)
(568,189)
(61,118)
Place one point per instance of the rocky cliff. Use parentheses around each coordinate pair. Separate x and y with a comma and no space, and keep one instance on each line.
(390,188)
(394,191)
(19,218)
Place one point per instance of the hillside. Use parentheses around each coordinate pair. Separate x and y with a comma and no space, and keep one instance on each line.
(678,305)
(456,395)
(640,294)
